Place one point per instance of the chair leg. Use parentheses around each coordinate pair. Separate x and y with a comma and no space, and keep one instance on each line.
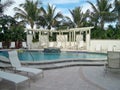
(42,74)
(15,86)
(29,83)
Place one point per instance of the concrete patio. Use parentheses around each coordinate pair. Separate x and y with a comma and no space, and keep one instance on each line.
(72,78)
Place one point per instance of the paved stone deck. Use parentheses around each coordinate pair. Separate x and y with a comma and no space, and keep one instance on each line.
(71,78)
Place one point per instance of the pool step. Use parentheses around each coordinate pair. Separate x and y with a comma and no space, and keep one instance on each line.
(63,63)
(68,64)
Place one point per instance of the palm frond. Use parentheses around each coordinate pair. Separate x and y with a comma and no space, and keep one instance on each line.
(29,12)
(93,6)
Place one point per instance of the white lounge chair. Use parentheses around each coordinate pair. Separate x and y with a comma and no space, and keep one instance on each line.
(81,44)
(24,45)
(71,46)
(43,45)
(113,61)
(12,45)
(13,56)
(51,44)
(1,45)
(4,65)
(14,78)
(59,45)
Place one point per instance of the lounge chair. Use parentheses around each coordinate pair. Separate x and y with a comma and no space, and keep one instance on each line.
(24,45)
(1,45)
(43,45)
(3,65)
(113,61)
(51,44)
(12,45)
(71,46)
(14,78)
(81,45)
(13,56)
(59,45)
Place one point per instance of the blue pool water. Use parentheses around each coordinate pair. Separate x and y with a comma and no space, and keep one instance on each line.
(41,56)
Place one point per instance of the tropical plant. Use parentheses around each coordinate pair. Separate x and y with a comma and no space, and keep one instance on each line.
(17,32)
(49,17)
(10,30)
(4,5)
(117,10)
(29,12)
(5,23)
(79,18)
(101,13)
(65,23)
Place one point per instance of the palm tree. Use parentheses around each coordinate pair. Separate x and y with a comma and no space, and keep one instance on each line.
(79,18)
(50,19)
(66,23)
(117,9)
(101,12)
(29,13)
(4,5)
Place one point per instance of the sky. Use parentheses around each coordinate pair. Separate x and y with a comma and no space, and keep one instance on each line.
(62,6)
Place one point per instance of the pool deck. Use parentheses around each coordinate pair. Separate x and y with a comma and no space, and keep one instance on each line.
(77,75)
(72,78)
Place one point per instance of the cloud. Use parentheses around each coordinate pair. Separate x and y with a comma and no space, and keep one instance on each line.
(10,11)
(60,1)
(86,6)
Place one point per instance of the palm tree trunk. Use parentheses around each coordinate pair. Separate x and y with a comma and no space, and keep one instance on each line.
(102,24)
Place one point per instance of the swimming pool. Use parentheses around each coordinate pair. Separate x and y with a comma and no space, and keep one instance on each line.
(41,56)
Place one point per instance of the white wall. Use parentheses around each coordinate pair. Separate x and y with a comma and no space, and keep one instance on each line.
(105,44)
